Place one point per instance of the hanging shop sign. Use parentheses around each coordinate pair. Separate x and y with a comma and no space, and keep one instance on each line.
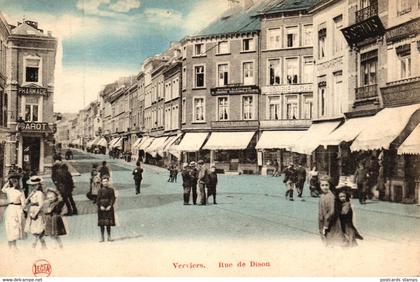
(32,126)
(36,91)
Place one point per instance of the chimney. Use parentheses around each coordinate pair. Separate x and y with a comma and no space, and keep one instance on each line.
(246,4)
(32,23)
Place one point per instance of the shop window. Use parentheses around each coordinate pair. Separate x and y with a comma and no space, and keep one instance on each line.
(274,69)
(223,47)
(248,44)
(308,70)
(199,76)
(274,108)
(248,73)
(322,36)
(292,36)
(223,75)
(274,38)
(247,107)
(32,70)
(307,35)
(292,70)
(199,110)
(222,108)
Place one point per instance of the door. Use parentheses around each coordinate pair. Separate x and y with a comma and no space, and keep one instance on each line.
(31,153)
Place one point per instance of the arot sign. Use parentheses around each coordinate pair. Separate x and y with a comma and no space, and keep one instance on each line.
(34,127)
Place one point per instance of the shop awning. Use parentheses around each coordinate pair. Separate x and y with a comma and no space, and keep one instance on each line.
(96,141)
(155,145)
(165,144)
(312,137)
(346,132)
(138,141)
(172,146)
(118,144)
(192,142)
(278,139)
(411,145)
(384,128)
(229,140)
(102,142)
(89,144)
(145,142)
(113,142)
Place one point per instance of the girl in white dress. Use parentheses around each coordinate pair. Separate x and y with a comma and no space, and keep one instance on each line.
(35,221)
(13,215)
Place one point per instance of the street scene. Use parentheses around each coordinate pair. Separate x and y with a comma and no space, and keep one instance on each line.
(223,137)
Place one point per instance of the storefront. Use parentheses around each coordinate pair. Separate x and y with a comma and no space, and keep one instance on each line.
(142,146)
(190,146)
(233,152)
(273,147)
(152,151)
(35,146)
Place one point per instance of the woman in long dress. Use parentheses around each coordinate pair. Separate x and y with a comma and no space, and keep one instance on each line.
(35,221)
(346,219)
(329,220)
(54,225)
(13,215)
(105,202)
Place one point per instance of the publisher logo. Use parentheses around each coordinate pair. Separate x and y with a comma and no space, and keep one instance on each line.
(41,268)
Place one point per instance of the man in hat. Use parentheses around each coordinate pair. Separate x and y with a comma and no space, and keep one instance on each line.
(290,178)
(138,176)
(202,179)
(194,180)
(301,178)
(186,182)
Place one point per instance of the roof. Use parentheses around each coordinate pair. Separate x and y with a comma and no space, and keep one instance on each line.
(26,29)
(281,6)
(236,20)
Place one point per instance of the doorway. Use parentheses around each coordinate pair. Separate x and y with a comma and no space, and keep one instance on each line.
(31,153)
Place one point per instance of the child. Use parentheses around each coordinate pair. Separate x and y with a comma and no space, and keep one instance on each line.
(105,202)
(54,225)
(95,183)
(346,218)
(211,184)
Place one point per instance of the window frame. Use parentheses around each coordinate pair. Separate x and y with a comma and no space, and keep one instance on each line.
(269,31)
(194,120)
(252,107)
(253,72)
(286,69)
(304,37)
(302,80)
(251,40)
(203,51)
(195,76)
(227,107)
(227,47)
(296,38)
(269,71)
(218,64)
(277,105)
(40,69)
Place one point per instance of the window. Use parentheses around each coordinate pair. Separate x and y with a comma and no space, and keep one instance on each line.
(292,69)
(247,107)
(274,38)
(337,36)
(308,70)
(222,108)
(307,35)
(307,108)
(174,117)
(199,76)
(167,118)
(336,94)
(404,7)
(248,73)
(223,47)
(292,36)
(199,49)
(248,44)
(404,57)
(175,88)
(364,4)
(369,72)
(184,78)
(199,109)
(322,102)
(274,68)
(322,35)
(292,110)
(223,75)
(32,70)
(184,52)
(184,110)
(274,108)
(31,110)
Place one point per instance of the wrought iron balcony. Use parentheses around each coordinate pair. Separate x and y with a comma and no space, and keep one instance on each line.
(366,92)
(367,12)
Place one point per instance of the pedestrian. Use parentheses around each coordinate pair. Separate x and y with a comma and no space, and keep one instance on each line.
(105,202)
(290,179)
(202,179)
(314,183)
(13,215)
(104,170)
(301,178)
(138,177)
(372,168)
(276,168)
(170,169)
(54,225)
(95,183)
(212,184)
(186,182)
(35,221)
(329,220)
(360,177)
(194,181)
(346,220)
(66,191)
(174,173)
(25,178)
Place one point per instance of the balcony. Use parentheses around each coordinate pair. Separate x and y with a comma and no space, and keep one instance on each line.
(285,123)
(235,124)
(402,92)
(367,12)
(367,92)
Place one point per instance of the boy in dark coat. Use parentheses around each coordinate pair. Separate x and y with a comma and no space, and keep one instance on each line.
(211,184)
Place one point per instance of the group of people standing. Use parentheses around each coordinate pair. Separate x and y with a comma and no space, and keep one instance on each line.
(38,214)
(64,183)
(295,178)
(197,175)
(173,172)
